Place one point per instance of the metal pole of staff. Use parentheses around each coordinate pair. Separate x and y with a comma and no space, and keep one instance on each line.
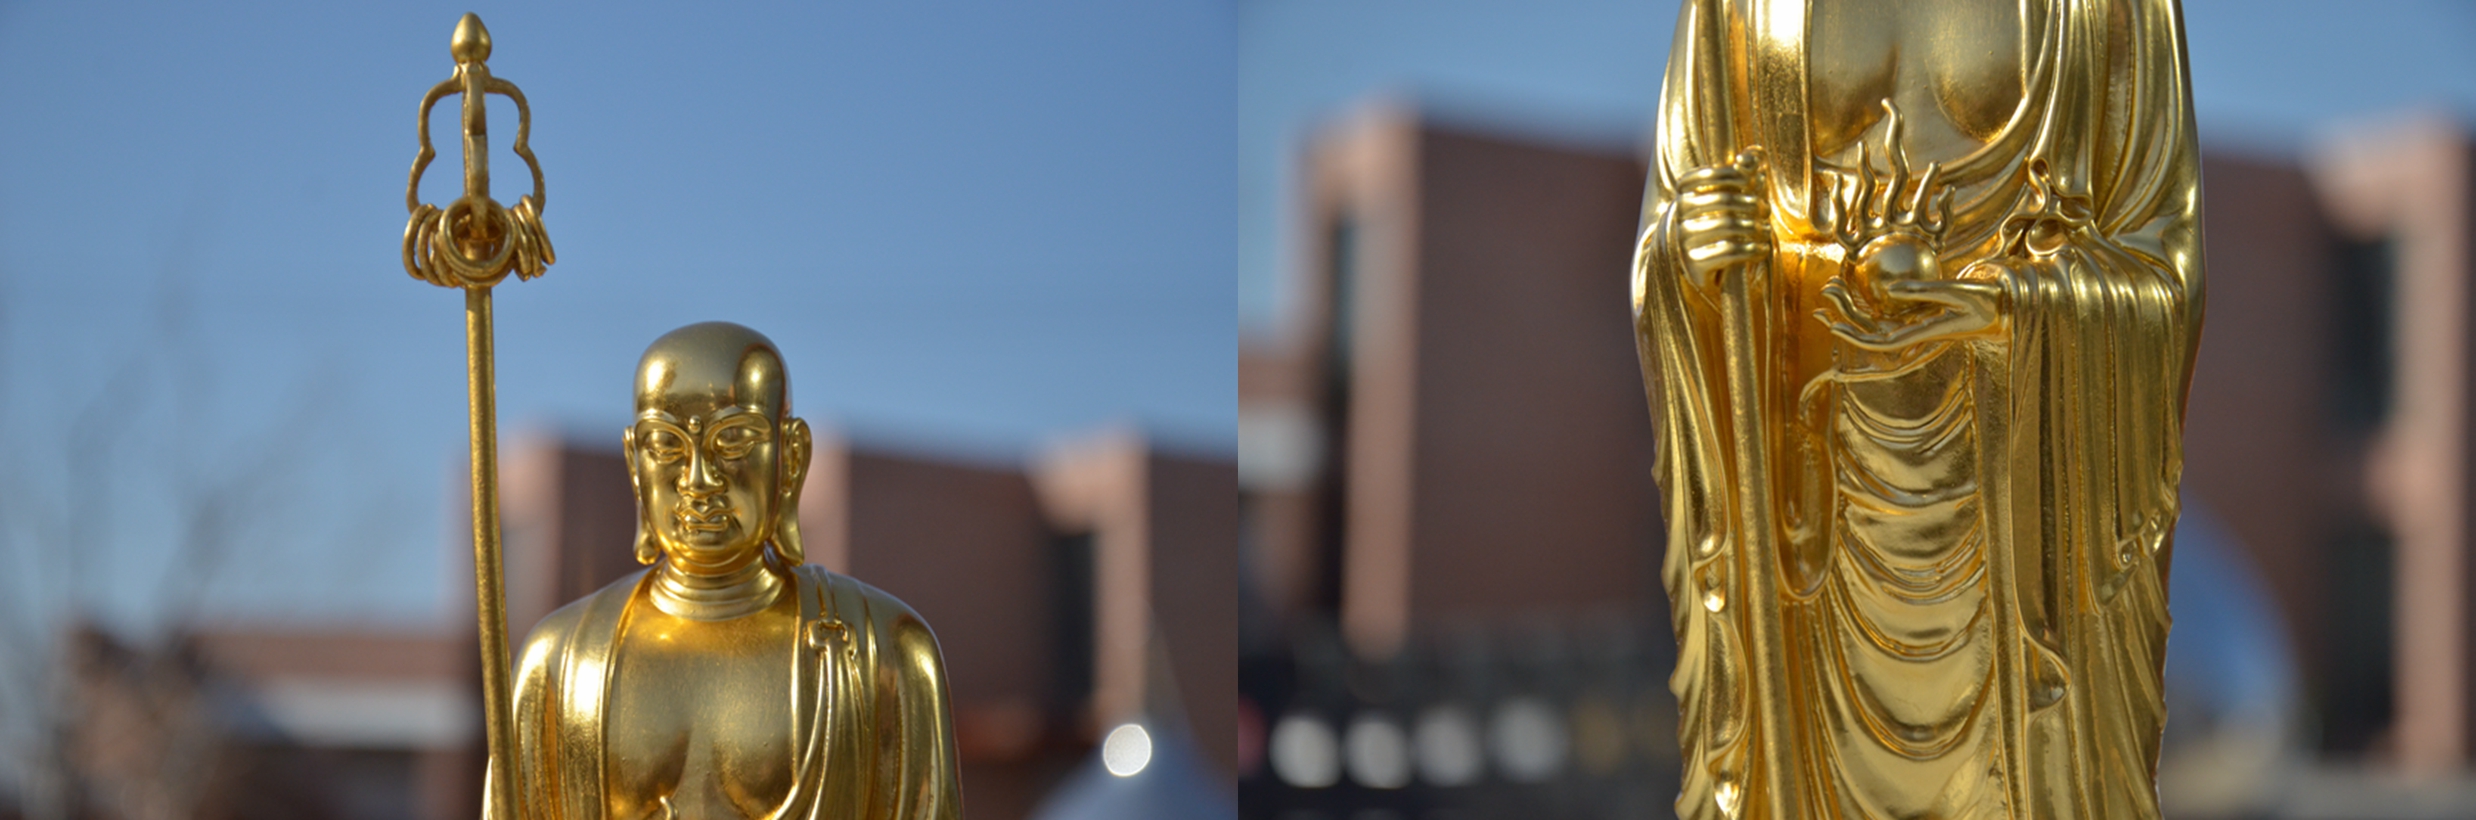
(1758,546)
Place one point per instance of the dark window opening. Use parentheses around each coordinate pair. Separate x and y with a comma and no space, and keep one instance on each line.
(1070,582)
(2357,685)
(1333,412)
(2361,368)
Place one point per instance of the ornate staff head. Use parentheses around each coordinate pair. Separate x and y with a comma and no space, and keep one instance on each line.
(474,242)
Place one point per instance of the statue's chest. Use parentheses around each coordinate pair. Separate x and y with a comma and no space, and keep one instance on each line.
(699,713)
(1954,68)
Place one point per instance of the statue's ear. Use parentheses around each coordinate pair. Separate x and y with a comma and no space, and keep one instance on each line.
(796,446)
(647,549)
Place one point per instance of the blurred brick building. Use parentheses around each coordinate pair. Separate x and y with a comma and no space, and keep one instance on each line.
(1452,427)
(1449,427)
(251,723)
(1445,457)
(1067,593)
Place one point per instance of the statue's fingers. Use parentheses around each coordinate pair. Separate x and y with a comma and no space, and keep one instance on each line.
(1837,292)
(1926,296)
(1983,297)
(1947,285)
(1990,290)
(1724,199)
(1727,248)
(1837,299)
(1869,341)
(1727,252)
(1946,291)
(1904,336)
(1714,225)
(1841,315)
(1713,176)
(1708,198)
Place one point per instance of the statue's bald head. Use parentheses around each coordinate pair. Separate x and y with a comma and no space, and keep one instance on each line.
(714,453)
(710,365)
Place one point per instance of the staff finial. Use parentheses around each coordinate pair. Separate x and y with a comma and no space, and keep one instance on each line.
(472,42)
(474,242)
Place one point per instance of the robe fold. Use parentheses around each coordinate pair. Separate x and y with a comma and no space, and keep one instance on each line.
(2085,210)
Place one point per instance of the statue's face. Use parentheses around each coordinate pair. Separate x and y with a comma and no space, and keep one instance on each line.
(711,477)
(709,448)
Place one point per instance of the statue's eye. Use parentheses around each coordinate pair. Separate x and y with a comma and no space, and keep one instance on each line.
(665,445)
(735,441)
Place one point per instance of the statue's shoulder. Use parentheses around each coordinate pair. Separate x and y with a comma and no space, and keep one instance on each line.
(852,601)
(559,629)
(844,593)
(888,702)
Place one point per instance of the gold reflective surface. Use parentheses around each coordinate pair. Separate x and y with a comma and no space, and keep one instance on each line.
(1917,298)
(473,244)
(729,680)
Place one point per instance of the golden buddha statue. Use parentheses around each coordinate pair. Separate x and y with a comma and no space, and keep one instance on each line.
(1917,298)
(730,679)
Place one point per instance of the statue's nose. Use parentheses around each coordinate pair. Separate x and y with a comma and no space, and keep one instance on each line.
(700,479)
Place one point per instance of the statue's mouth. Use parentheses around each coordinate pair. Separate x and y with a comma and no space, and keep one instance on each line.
(715,520)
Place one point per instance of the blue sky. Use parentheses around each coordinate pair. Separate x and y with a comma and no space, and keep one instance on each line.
(972,227)
(2267,76)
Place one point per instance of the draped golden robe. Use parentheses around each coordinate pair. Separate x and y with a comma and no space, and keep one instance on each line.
(866,708)
(1968,559)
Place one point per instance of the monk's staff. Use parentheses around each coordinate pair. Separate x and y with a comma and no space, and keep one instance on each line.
(1758,545)
(472,245)
(1726,122)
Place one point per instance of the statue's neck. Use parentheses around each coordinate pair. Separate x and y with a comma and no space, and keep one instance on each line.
(699,594)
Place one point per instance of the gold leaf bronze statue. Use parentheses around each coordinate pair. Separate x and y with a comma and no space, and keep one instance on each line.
(730,680)
(1917,297)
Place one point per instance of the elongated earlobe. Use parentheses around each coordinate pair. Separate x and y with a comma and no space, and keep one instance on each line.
(648,550)
(795,450)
